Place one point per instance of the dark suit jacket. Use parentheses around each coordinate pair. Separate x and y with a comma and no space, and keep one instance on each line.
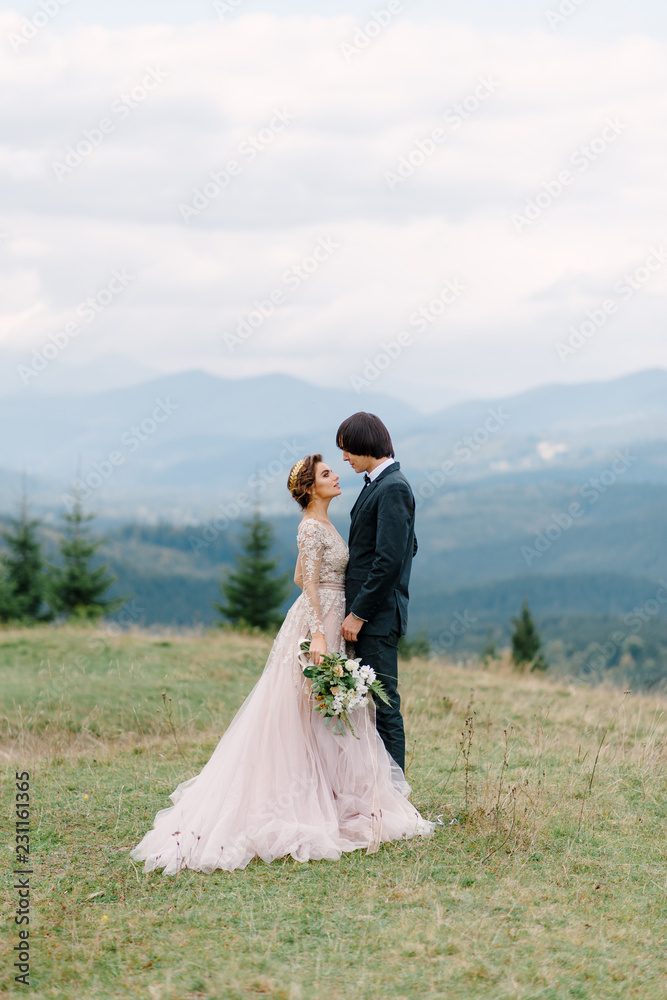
(382,545)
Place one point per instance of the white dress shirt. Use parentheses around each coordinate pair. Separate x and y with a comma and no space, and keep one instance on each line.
(380,468)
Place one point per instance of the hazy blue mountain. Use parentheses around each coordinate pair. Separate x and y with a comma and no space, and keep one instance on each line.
(179,446)
(639,400)
(182,443)
(195,403)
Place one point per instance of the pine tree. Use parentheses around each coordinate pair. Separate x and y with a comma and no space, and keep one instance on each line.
(526,641)
(252,592)
(7,602)
(24,585)
(23,581)
(77,590)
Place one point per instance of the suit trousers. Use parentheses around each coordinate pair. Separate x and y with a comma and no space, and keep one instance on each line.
(381,653)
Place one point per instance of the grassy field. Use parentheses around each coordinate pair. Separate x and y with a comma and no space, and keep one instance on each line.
(545,879)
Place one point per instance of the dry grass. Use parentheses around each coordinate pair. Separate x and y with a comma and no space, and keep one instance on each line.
(545,879)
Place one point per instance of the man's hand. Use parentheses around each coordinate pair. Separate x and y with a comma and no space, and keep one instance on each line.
(351,628)
(318,647)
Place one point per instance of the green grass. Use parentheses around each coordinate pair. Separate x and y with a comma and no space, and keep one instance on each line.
(538,884)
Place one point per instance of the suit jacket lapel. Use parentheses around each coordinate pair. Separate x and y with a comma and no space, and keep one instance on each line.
(368,489)
(362,498)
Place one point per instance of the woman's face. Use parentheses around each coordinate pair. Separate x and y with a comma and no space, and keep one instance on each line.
(326,482)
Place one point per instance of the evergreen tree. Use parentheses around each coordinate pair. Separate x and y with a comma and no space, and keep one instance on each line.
(77,590)
(526,641)
(7,602)
(23,591)
(252,592)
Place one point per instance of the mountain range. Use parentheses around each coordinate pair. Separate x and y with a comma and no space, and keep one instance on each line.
(557,495)
(177,446)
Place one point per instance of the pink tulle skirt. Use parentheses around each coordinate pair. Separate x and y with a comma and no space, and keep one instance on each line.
(280,783)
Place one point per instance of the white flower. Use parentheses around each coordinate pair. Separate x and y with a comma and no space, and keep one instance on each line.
(371,675)
(352,665)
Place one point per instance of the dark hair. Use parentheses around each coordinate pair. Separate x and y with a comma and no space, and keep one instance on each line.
(304,479)
(365,434)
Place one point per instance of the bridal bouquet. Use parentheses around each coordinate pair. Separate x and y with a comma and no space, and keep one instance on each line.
(339,685)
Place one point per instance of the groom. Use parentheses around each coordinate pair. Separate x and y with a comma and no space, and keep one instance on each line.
(382,545)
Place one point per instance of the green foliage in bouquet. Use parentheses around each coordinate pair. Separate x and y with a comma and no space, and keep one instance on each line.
(340,684)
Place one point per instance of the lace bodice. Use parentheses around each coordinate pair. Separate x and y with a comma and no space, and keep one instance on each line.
(323,556)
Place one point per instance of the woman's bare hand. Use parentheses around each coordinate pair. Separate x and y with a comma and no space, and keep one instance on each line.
(318,646)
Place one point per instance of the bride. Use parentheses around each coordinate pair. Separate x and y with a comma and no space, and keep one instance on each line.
(279,781)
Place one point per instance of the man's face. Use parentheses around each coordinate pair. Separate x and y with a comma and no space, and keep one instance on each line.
(360,463)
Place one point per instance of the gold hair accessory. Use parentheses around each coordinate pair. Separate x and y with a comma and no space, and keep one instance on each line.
(295,472)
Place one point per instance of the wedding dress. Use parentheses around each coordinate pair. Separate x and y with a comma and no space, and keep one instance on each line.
(279,781)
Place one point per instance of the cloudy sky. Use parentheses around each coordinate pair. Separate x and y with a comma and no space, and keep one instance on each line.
(424,198)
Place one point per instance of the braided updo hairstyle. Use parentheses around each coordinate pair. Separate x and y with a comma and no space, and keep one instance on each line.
(300,484)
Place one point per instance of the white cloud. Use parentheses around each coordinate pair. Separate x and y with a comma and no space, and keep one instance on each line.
(324,174)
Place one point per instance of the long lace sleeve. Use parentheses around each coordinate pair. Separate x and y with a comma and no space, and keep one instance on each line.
(311,546)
